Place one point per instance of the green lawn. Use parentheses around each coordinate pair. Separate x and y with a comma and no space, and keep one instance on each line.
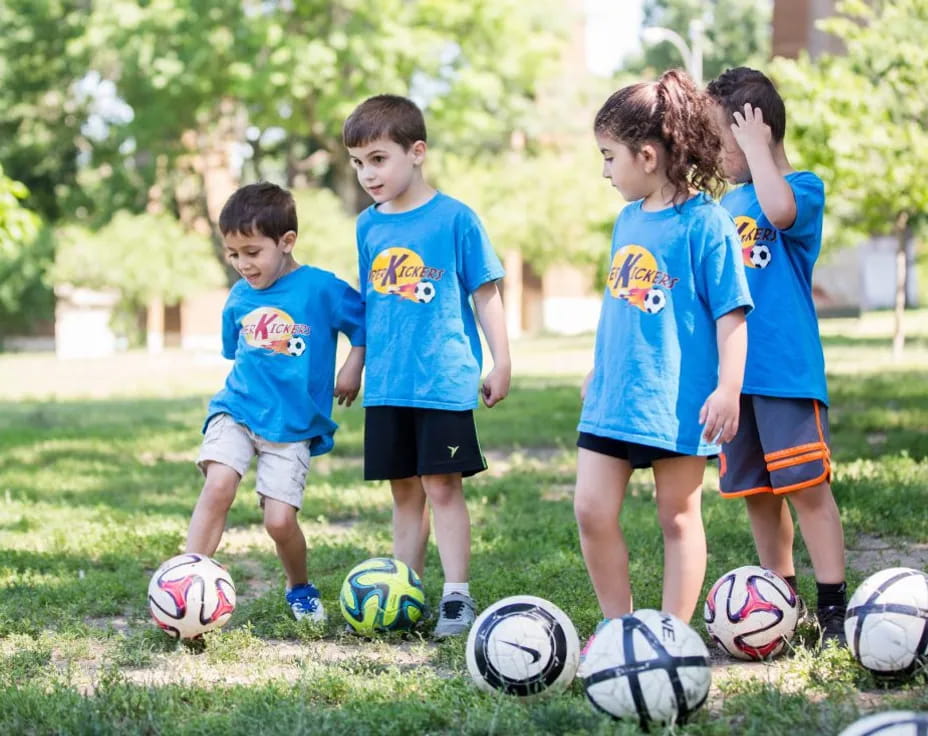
(97,483)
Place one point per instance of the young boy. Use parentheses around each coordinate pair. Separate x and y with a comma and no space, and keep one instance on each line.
(782,445)
(280,324)
(421,255)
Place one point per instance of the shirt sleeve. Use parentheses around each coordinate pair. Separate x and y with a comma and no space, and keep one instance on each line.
(720,278)
(348,313)
(477,261)
(809,193)
(229,332)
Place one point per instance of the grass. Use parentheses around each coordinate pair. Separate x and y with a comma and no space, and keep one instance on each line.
(97,483)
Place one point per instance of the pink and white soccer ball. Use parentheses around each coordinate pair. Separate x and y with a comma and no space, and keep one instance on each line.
(887,622)
(191,594)
(751,613)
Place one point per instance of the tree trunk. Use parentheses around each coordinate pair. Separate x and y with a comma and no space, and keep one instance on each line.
(904,234)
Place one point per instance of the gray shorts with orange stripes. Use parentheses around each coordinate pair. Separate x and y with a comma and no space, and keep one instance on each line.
(781,446)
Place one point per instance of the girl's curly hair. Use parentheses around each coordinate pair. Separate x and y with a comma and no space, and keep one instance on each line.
(674,113)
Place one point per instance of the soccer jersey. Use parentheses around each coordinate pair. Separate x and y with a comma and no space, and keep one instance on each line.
(785,356)
(417,271)
(283,340)
(672,274)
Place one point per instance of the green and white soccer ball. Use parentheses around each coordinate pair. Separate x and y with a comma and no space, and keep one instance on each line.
(382,594)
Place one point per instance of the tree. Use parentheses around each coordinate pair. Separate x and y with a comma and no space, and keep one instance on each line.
(859,121)
(21,263)
(736,32)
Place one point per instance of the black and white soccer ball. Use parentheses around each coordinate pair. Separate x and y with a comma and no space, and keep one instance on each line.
(523,646)
(191,594)
(654,301)
(887,622)
(751,612)
(425,291)
(890,723)
(760,256)
(647,665)
(296,346)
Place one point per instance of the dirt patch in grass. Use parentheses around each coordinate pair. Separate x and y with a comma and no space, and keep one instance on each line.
(869,554)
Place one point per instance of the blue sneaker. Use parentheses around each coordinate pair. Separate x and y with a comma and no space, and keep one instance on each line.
(581,671)
(305,603)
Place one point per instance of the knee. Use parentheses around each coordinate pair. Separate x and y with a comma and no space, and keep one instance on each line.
(814,500)
(280,525)
(590,516)
(443,490)
(218,493)
(677,523)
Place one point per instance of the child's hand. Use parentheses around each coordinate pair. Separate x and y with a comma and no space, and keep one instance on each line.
(347,385)
(495,386)
(750,130)
(720,415)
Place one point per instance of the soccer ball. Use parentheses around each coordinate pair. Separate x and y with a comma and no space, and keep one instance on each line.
(887,622)
(296,346)
(382,594)
(760,256)
(425,291)
(751,612)
(889,723)
(654,301)
(647,665)
(523,646)
(191,594)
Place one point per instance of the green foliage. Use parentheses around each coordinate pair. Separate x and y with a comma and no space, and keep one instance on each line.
(21,264)
(326,239)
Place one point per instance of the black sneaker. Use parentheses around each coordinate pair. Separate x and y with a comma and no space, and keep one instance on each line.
(831,622)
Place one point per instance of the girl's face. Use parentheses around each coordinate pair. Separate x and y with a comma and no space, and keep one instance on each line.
(628,171)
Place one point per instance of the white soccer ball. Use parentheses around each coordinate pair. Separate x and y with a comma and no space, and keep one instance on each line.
(760,256)
(296,346)
(751,613)
(191,594)
(889,723)
(887,622)
(425,291)
(655,300)
(647,665)
(523,646)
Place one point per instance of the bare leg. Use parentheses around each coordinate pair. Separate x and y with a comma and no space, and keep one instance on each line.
(820,524)
(772,526)
(282,525)
(452,524)
(679,497)
(601,483)
(209,515)
(410,522)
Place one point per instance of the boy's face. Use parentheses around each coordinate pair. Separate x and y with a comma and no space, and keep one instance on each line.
(384,169)
(734,164)
(257,258)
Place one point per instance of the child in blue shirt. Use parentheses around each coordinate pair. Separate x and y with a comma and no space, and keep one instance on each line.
(671,340)
(280,325)
(421,257)
(782,447)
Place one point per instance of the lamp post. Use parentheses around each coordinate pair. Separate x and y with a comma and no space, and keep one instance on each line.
(692,53)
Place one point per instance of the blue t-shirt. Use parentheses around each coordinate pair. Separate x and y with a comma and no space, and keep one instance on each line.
(784,348)
(672,274)
(417,271)
(283,340)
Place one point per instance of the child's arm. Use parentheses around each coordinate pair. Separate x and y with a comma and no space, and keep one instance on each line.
(720,412)
(492,318)
(348,381)
(773,192)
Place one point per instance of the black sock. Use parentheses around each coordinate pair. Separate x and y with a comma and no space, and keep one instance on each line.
(791,579)
(831,594)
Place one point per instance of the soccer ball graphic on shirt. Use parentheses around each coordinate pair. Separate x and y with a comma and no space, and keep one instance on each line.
(760,256)
(296,346)
(424,292)
(887,622)
(751,613)
(655,300)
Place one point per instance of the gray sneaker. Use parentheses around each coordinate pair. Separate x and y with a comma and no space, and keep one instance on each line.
(456,614)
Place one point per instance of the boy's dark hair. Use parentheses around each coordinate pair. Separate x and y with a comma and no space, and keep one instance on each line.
(741,85)
(673,112)
(262,207)
(384,116)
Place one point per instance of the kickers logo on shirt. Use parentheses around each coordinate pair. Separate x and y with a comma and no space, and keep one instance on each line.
(401,272)
(635,277)
(755,242)
(273,329)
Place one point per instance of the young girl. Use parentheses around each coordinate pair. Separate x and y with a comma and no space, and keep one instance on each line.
(671,341)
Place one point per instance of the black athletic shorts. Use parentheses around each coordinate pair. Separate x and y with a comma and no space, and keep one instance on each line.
(638,456)
(401,441)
